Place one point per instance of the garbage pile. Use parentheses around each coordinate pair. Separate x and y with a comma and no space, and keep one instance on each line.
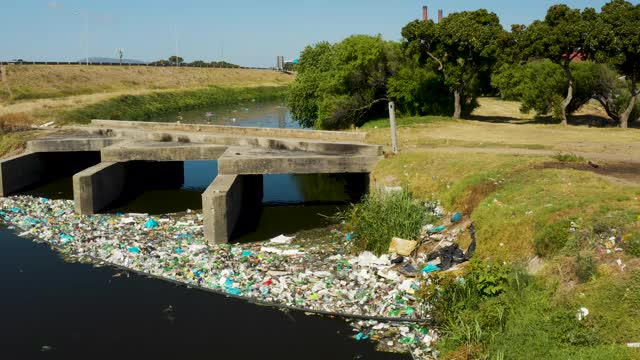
(283,271)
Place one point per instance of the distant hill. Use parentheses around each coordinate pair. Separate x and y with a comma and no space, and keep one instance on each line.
(112,60)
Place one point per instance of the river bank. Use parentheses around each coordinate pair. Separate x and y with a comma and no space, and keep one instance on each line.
(301,273)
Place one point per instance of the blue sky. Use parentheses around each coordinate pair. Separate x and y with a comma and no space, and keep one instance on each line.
(249,32)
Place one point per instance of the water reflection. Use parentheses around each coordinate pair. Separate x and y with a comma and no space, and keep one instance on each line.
(254,114)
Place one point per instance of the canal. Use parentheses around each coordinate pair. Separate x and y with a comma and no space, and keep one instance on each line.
(60,310)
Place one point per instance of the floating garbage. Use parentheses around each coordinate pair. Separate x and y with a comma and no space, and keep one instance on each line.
(437,229)
(151,224)
(282,271)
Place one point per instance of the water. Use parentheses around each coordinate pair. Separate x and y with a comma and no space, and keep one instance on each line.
(53,309)
(58,310)
(256,114)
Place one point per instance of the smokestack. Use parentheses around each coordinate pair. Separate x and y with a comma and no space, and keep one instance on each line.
(425,13)
(439,15)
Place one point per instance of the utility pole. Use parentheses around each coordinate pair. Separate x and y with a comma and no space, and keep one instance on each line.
(120,55)
(85,15)
(175,33)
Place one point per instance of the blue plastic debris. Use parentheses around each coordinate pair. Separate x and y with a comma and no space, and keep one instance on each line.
(360,336)
(119,214)
(349,236)
(64,238)
(228,286)
(456,217)
(151,223)
(179,251)
(15,210)
(246,253)
(430,268)
(134,250)
(437,229)
(45,200)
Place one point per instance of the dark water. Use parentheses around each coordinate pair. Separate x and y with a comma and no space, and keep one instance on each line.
(291,203)
(255,114)
(52,309)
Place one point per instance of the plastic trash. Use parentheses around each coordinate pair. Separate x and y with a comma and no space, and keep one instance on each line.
(151,224)
(360,336)
(430,268)
(281,239)
(582,313)
(437,229)
(402,246)
(456,217)
(348,237)
(134,250)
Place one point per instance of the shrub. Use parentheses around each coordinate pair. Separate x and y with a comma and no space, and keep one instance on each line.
(585,267)
(13,122)
(381,216)
(552,238)
(632,244)
(569,158)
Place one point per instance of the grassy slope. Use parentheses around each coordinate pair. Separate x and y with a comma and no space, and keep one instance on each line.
(48,81)
(516,202)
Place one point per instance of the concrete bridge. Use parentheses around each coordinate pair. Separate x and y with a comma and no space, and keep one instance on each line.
(109,159)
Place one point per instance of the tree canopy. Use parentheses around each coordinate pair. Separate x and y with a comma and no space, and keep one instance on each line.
(461,46)
(344,84)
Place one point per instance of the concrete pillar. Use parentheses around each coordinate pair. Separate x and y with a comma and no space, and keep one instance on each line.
(225,201)
(20,172)
(29,169)
(99,186)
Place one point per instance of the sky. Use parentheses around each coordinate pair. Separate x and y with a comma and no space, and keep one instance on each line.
(244,32)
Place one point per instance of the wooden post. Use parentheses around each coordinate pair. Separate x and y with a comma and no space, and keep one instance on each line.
(394,134)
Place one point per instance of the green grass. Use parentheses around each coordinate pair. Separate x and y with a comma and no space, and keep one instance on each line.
(381,216)
(569,158)
(145,107)
(405,122)
(14,142)
(521,210)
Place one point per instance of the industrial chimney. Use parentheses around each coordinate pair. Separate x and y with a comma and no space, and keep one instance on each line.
(439,15)
(425,13)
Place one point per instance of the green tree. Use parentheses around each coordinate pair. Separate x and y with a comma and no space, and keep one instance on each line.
(618,43)
(461,45)
(540,84)
(562,36)
(176,60)
(344,84)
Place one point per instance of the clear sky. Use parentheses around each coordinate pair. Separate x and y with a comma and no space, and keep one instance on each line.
(248,32)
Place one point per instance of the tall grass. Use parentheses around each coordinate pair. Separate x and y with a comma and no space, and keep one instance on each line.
(382,215)
(14,122)
(145,107)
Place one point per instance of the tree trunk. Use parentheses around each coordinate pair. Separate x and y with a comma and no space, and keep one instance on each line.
(624,117)
(458,107)
(565,103)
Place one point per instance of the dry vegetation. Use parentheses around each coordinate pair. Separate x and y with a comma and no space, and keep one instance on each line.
(44,91)
(14,122)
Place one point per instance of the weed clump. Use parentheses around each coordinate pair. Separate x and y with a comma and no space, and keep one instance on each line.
(569,158)
(15,122)
(381,216)
(552,238)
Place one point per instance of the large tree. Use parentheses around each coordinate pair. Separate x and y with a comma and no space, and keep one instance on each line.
(461,45)
(561,37)
(618,43)
(344,84)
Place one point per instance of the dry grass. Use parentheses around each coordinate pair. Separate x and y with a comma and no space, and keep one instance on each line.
(48,81)
(524,139)
(15,122)
(43,92)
